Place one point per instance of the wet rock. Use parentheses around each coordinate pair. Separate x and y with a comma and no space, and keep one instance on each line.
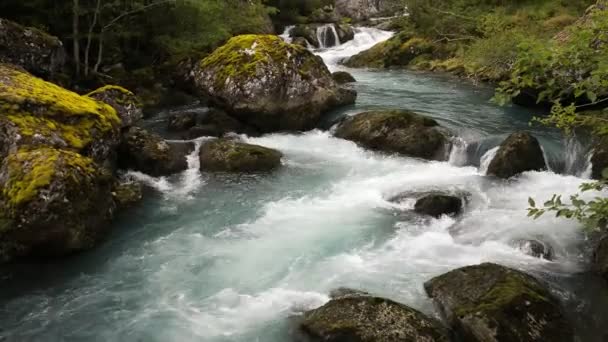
(149,153)
(399,51)
(179,122)
(345,32)
(437,205)
(128,106)
(397,131)
(370,319)
(343,77)
(229,155)
(307,32)
(600,258)
(266,83)
(536,248)
(489,302)
(52,203)
(300,41)
(346,292)
(520,152)
(37,52)
(599,159)
(35,113)
(127,193)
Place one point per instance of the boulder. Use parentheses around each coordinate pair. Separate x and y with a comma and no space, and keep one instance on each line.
(437,205)
(300,41)
(53,202)
(370,319)
(599,159)
(149,153)
(269,84)
(179,122)
(128,106)
(520,152)
(345,32)
(229,155)
(342,77)
(38,113)
(127,193)
(364,9)
(397,131)
(400,50)
(216,123)
(489,302)
(536,248)
(600,258)
(307,32)
(37,52)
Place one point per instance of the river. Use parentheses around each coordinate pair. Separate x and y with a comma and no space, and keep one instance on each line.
(233,257)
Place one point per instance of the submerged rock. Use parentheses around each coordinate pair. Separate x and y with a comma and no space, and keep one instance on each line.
(342,77)
(149,153)
(437,205)
(370,319)
(229,155)
(53,202)
(128,106)
(35,113)
(536,248)
(397,131)
(34,50)
(269,84)
(182,121)
(520,152)
(489,302)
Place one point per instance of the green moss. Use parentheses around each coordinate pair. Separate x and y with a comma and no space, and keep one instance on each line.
(107,88)
(241,56)
(38,107)
(30,171)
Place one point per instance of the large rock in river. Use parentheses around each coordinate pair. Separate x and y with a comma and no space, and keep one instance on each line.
(230,155)
(31,49)
(128,106)
(397,131)
(38,113)
(399,51)
(269,84)
(358,317)
(437,205)
(492,303)
(52,202)
(520,152)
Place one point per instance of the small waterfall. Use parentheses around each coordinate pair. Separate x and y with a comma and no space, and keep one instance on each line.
(285,35)
(577,158)
(327,36)
(459,154)
(487,159)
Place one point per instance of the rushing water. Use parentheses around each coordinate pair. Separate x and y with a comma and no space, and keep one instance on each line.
(232,257)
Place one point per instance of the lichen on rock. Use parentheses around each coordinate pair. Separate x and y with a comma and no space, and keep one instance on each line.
(127,105)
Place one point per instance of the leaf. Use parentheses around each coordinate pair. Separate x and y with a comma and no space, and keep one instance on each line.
(531,202)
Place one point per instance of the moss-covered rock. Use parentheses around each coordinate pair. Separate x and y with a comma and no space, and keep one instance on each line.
(38,113)
(52,202)
(358,317)
(31,49)
(228,155)
(520,152)
(345,32)
(343,77)
(128,106)
(127,193)
(149,153)
(269,84)
(399,51)
(397,131)
(489,302)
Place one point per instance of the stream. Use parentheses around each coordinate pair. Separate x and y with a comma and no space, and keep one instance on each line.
(232,257)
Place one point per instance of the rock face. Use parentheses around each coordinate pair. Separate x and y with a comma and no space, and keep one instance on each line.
(397,131)
(31,49)
(228,155)
(437,205)
(342,77)
(489,303)
(149,153)
(269,84)
(53,202)
(36,113)
(359,317)
(600,258)
(399,51)
(365,9)
(520,152)
(127,105)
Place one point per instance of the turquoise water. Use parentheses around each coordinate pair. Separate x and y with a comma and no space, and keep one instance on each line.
(233,257)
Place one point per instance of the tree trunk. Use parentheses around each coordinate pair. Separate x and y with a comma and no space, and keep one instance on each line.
(99,53)
(90,38)
(76,34)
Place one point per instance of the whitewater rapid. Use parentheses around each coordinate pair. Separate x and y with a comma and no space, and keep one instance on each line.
(232,257)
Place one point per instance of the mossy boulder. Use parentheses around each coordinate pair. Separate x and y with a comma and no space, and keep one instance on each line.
(489,302)
(345,32)
(229,155)
(397,131)
(399,51)
(269,84)
(343,77)
(34,50)
(359,317)
(128,106)
(437,205)
(149,153)
(53,202)
(520,152)
(127,193)
(38,113)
